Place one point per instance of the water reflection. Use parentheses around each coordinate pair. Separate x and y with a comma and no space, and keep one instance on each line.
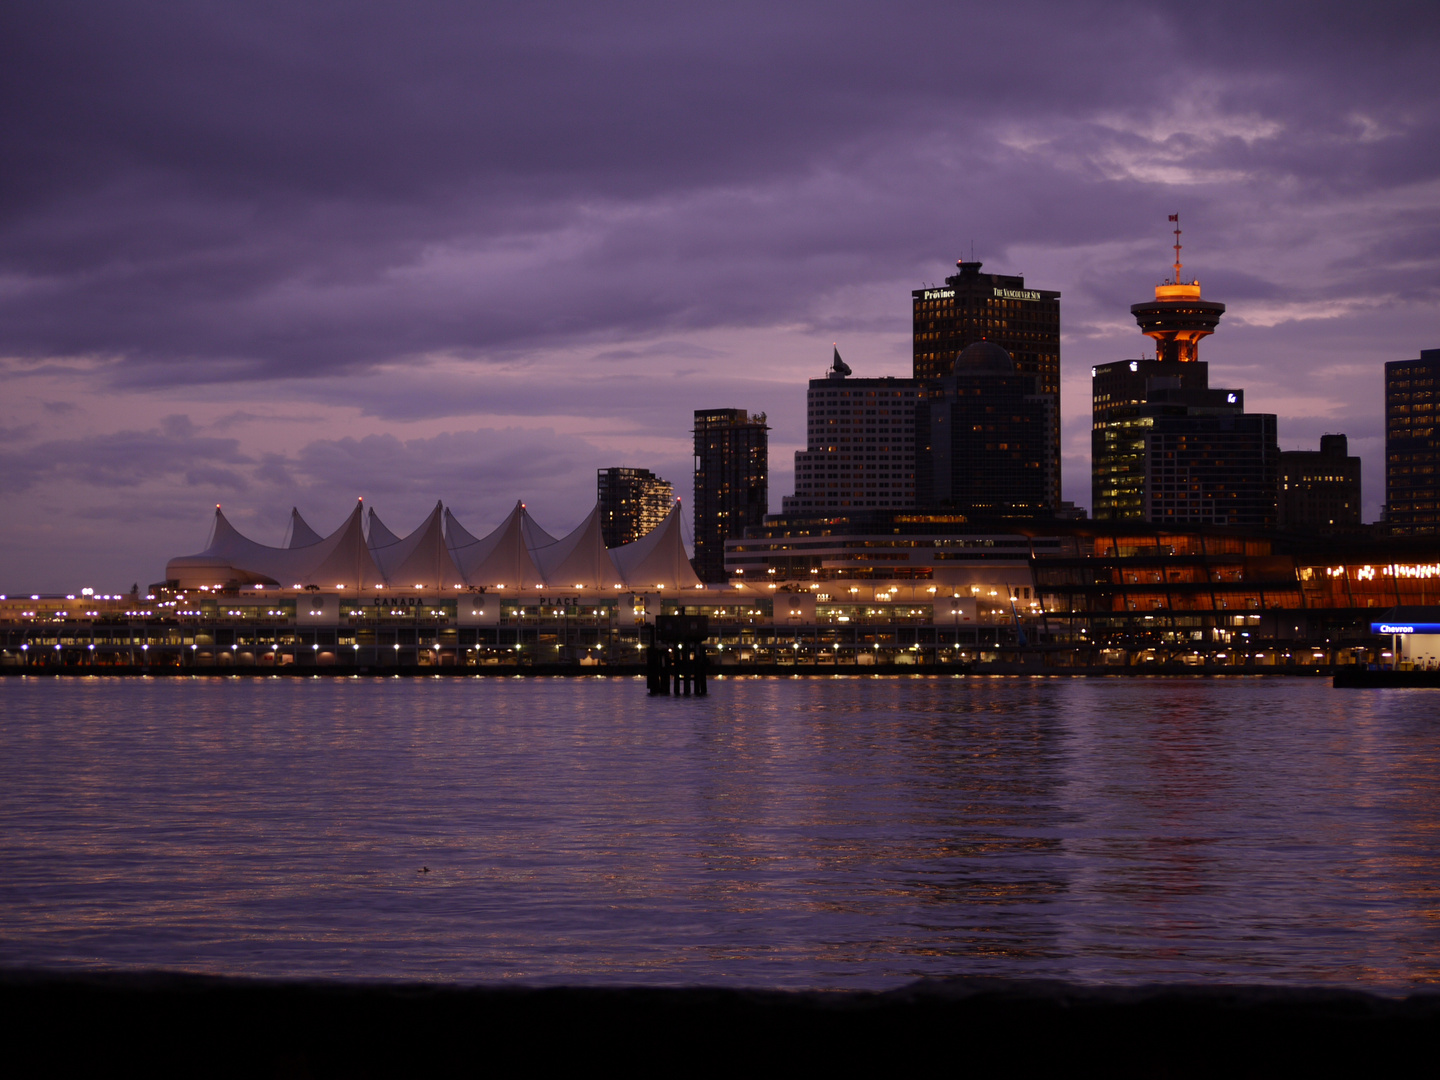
(825,832)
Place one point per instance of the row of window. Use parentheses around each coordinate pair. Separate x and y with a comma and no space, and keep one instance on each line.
(1040,308)
(861,393)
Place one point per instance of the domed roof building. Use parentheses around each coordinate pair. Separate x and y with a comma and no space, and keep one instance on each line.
(984,357)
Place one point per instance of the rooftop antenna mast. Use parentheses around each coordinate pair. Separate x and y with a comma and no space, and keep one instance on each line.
(1176,219)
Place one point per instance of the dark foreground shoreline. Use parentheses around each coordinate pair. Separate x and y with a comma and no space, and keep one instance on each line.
(159,1023)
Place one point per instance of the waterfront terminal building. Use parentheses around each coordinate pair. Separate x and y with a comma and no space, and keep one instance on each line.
(871,590)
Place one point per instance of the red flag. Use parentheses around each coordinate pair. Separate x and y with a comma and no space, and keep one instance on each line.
(1175,218)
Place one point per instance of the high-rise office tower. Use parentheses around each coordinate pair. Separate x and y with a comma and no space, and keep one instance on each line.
(972,307)
(985,435)
(1412,444)
(732,489)
(1164,446)
(1168,448)
(860,445)
(632,502)
(1320,489)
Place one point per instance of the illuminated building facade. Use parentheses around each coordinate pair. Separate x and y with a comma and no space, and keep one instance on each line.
(1412,445)
(860,444)
(1167,448)
(889,590)
(1320,489)
(632,502)
(732,487)
(972,307)
(985,436)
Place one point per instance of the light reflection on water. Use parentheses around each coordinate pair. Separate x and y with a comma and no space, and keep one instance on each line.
(854,832)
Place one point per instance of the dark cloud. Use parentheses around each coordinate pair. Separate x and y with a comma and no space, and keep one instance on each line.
(259,191)
(662,402)
(125,459)
(396,216)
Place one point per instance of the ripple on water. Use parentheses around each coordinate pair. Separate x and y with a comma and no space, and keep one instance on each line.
(782,832)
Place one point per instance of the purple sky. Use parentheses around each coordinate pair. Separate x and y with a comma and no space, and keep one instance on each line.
(473,252)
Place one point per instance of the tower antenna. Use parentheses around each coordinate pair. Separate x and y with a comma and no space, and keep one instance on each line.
(1176,219)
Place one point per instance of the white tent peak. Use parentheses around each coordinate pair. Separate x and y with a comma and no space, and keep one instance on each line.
(301,534)
(658,557)
(441,554)
(340,559)
(418,559)
(380,536)
(503,556)
(579,559)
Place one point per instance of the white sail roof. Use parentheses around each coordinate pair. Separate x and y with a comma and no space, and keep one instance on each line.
(502,558)
(580,559)
(347,560)
(301,534)
(420,559)
(380,536)
(657,558)
(340,559)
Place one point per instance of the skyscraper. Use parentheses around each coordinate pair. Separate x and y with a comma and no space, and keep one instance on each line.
(860,445)
(972,307)
(984,436)
(632,502)
(1320,489)
(1164,446)
(1167,448)
(731,483)
(1412,444)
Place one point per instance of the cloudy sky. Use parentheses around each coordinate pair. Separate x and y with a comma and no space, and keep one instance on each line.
(269,254)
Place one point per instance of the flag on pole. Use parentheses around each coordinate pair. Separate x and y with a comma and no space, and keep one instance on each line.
(1175,218)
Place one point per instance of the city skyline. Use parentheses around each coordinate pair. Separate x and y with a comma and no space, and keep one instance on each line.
(277,260)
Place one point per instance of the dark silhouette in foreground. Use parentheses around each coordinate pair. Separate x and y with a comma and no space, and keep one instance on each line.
(101,1023)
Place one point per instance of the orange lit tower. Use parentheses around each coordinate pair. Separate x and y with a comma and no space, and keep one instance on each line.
(1177,318)
(1167,447)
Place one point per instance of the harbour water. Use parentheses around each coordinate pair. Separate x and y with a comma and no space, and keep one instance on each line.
(829,832)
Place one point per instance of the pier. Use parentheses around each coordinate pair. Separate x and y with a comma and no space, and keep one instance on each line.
(675,660)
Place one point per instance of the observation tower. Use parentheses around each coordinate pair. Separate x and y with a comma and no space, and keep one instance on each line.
(1177,318)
